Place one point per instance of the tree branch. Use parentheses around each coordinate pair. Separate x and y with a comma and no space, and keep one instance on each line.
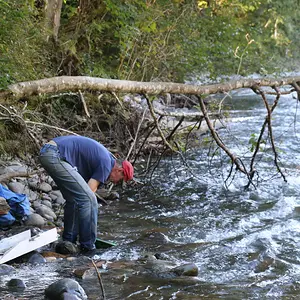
(76,83)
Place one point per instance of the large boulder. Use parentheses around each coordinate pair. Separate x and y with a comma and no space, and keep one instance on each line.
(16,283)
(65,289)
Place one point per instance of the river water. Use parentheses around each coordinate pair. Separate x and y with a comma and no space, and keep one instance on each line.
(245,243)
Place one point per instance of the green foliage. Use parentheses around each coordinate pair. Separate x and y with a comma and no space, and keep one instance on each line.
(22,53)
(253,142)
(149,40)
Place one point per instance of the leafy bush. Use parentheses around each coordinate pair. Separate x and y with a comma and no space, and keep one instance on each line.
(23,53)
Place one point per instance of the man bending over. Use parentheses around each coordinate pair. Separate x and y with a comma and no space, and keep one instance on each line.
(78,165)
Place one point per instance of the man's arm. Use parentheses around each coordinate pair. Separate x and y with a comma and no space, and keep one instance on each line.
(93,184)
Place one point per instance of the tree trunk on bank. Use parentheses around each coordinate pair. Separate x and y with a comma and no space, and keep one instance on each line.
(52,16)
(77,83)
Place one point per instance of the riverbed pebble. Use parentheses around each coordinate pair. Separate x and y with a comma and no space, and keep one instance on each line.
(46,212)
(35,220)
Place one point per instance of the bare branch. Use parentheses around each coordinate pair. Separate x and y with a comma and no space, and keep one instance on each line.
(136,135)
(99,279)
(84,104)
(218,140)
(269,122)
(157,125)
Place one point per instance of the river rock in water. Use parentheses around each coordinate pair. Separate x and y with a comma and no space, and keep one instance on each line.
(16,283)
(4,207)
(65,289)
(36,258)
(189,269)
(6,269)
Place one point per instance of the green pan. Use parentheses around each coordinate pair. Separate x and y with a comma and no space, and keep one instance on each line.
(100,244)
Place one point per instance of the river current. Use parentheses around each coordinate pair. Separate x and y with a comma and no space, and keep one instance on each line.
(245,243)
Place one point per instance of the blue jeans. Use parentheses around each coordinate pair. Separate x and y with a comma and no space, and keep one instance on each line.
(81,208)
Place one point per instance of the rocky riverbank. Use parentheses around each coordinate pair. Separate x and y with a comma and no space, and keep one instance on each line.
(46,212)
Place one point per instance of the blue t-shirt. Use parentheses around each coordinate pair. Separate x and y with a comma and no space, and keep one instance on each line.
(91,159)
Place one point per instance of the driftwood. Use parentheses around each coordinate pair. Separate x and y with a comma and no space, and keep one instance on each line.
(81,83)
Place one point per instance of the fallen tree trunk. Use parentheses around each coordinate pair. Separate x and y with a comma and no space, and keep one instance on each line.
(77,83)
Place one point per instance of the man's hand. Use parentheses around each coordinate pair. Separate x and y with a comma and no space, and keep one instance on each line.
(93,184)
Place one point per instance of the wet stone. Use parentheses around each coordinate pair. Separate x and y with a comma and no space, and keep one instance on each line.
(66,247)
(85,273)
(65,289)
(16,283)
(51,259)
(2,170)
(186,270)
(36,258)
(6,269)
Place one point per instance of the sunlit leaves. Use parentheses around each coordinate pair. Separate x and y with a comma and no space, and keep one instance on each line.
(159,39)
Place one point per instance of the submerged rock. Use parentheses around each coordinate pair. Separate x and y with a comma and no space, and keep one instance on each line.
(16,283)
(189,269)
(65,289)
(6,269)
(85,273)
(36,258)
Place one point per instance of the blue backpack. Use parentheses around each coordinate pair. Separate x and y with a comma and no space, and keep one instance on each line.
(19,206)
